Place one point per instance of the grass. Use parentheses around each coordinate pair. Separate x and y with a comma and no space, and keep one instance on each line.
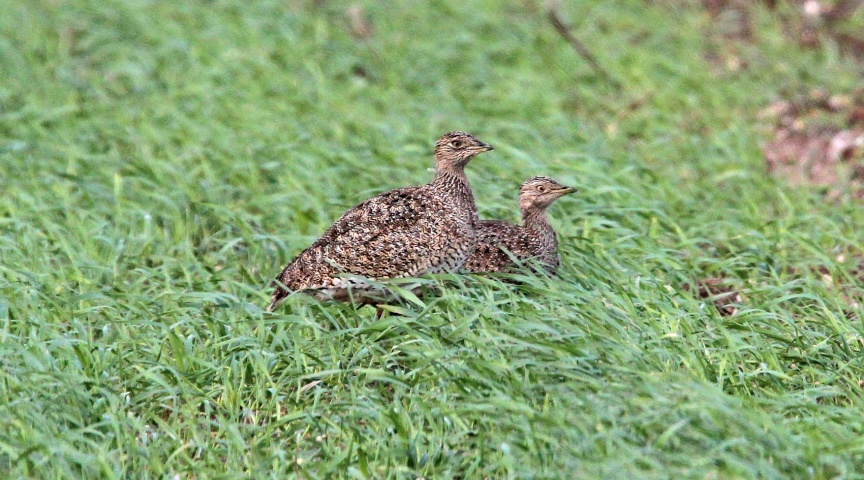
(160,161)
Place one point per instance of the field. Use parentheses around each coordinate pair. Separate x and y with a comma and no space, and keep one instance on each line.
(161,161)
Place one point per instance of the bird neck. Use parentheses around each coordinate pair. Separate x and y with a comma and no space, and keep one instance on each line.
(452,180)
(536,219)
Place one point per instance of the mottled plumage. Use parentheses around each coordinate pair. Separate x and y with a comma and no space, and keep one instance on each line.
(534,239)
(405,232)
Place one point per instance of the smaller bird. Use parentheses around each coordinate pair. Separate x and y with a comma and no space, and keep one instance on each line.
(499,242)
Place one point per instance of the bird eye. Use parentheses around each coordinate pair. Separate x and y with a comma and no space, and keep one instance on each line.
(456,144)
(541,189)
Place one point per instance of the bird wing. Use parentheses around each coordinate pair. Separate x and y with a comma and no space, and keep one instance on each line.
(389,235)
(372,217)
(494,239)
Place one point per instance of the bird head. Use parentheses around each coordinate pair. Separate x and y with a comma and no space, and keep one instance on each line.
(456,149)
(540,192)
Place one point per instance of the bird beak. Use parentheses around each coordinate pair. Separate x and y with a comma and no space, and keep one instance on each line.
(484,147)
(566,190)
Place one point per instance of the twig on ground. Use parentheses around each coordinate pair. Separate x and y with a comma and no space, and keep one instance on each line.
(580,48)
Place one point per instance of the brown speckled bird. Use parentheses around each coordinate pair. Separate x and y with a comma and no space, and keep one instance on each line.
(405,232)
(534,239)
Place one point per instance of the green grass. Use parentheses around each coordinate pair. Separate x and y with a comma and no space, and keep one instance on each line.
(160,162)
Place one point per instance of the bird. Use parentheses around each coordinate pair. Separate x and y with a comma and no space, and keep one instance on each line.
(499,242)
(406,232)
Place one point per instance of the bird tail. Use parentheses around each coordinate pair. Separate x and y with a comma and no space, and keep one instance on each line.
(279,294)
(277,298)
